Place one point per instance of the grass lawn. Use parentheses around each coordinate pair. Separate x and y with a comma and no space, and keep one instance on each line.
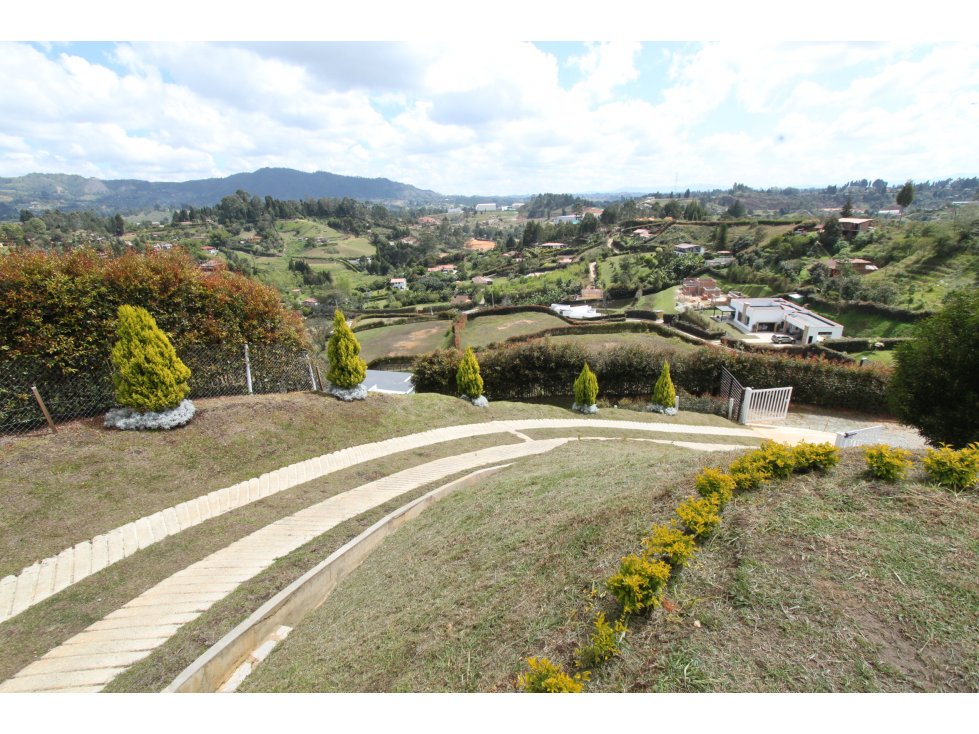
(602,342)
(819,583)
(414,338)
(882,356)
(663,301)
(489,329)
(858,323)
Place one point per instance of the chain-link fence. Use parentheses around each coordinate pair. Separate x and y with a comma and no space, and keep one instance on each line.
(216,370)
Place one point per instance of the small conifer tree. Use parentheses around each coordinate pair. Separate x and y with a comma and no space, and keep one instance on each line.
(347,369)
(148,376)
(468,379)
(663,392)
(586,387)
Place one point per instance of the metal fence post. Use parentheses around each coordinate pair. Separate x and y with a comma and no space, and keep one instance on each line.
(248,370)
(312,377)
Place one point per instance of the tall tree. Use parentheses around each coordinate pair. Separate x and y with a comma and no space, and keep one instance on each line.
(847,210)
(934,386)
(906,195)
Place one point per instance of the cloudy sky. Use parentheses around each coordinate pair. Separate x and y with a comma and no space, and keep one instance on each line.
(481,113)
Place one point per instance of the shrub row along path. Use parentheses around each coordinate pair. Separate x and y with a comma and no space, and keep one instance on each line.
(92,658)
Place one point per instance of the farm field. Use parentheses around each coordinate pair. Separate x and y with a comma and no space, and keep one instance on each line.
(490,329)
(413,338)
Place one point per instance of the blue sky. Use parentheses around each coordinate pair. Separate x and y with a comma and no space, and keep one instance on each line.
(478,112)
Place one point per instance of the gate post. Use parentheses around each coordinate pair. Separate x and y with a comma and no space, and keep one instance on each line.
(745,404)
(730,408)
(248,370)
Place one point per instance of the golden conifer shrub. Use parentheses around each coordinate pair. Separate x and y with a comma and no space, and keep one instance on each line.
(347,369)
(148,375)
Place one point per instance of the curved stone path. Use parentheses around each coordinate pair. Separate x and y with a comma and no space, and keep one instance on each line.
(89,660)
(47,577)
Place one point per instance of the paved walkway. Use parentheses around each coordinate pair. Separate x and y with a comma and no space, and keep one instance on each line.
(49,576)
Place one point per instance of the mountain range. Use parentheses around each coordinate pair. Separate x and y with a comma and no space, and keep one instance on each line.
(67,192)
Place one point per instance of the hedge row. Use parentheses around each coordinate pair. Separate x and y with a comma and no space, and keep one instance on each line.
(542,369)
(798,350)
(880,309)
(396,322)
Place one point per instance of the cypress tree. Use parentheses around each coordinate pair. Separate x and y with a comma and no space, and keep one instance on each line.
(468,379)
(586,387)
(663,392)
(347,369)
(148,376)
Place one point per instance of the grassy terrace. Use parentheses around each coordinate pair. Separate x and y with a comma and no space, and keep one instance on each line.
(86,480)
(489,329)
(414,338)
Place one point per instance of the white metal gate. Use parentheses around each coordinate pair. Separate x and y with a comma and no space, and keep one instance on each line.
(768,404)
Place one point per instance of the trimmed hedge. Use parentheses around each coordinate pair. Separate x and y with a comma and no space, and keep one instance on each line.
(542,369)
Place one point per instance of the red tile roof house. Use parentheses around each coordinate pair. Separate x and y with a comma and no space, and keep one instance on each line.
(700,287)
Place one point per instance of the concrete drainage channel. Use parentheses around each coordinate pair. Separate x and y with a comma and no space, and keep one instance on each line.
(226,665)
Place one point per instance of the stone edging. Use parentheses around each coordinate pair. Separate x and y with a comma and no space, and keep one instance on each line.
(309,591)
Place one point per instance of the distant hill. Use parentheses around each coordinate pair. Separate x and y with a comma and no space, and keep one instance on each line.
(69,192)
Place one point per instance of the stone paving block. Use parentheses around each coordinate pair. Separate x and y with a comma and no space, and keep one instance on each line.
(194,510)
(241,672)
(158,526)
(83,561)
(92,661)
(176,619)
(130,539)
(100,553)
(144,532)
(224,499)
(171,597)
(45,580)
(114,544)
(263,487)
(214,502)
(204,508)
(170,521)
(8,585)
(26,583)
(105,647)
(65,567)
(183,515)
(57,681)
(129,632)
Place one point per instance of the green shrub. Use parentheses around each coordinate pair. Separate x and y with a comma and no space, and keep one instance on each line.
(347,369)
(670,544)
(546,677)
(149,376)
(700,516)
(663,392)
(640,583)
(777,459)
(715,483)
(809,456)
(884,462)
(748,472)
(586,387)
(605,643)
(955,469)
(468,380)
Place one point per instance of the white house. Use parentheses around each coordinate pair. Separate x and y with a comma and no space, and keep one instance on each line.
(575,312)
(686,248)
(400,284)
(486,207)
(753,315)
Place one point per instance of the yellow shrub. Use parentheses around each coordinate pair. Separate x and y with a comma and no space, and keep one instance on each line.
(546,677)
(605,643)
(640,583)
(748,472)
(884,462)
(700,516)
(777,458)
(670,543)
(821,456)
(947,467)
(715,483)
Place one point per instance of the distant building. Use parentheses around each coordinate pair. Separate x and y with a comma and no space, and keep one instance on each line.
(575,312)
(892,212)
(310,302)
(430,221)
(480,245)
(552,245)
(482,280)
(701,288)
(400,284)
(449,268)
(859,266)
(565,219)
(851,226)
(565,260)
(591,294)
(461,300)
(687,248)
(485,208)
(752,315)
